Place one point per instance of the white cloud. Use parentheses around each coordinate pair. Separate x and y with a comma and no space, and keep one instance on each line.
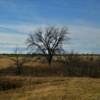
(85,33)
(83,37)
(22,28)
(14,38)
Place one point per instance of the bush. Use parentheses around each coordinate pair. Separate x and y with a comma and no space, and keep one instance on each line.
(7,83)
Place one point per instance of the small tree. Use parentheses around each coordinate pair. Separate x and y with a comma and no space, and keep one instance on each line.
(48,40)
(19,60)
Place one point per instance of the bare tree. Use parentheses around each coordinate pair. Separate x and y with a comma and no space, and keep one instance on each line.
(19,60)
(48,40)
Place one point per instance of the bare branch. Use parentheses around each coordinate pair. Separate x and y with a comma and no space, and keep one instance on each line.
(49,40)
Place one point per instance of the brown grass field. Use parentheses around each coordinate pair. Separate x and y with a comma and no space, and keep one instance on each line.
(52,88)
(49,84)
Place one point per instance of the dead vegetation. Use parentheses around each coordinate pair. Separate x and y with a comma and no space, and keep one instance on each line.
(53,88)
(67,65)
(68,78)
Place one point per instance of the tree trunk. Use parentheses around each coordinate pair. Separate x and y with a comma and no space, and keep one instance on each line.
(50,59)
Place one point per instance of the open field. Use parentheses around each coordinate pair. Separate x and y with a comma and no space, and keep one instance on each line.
(52,88)
(60,81)
(68,65)
(49,50)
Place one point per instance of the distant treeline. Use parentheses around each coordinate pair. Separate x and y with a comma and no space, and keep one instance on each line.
(68,54)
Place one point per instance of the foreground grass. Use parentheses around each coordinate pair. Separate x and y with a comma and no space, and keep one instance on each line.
(53,88)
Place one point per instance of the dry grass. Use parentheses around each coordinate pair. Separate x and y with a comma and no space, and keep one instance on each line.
(5,62)
(26,87)
(31,68)
(54,88)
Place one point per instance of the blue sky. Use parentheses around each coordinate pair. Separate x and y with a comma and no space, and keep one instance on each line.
(18,18)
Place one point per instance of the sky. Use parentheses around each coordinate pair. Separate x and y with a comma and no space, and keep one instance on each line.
(18,18)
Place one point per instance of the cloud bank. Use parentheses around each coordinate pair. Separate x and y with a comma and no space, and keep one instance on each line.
(84,38)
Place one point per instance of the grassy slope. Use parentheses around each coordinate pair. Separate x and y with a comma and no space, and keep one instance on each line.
(49,88)
(54,89)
